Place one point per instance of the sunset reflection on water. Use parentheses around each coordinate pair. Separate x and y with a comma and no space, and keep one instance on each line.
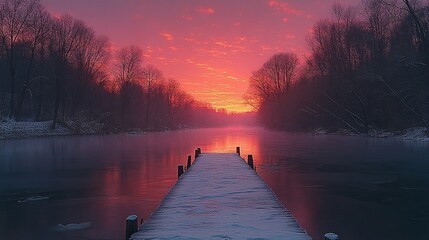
(248,143)
(322,180)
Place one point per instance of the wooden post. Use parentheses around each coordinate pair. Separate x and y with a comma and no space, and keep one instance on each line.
(250,161)
(237,150)
(197,152)
(188,165)
(131,226)
(180,171)
(331,236)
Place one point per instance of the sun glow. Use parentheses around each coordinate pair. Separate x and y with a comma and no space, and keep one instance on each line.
(209,47)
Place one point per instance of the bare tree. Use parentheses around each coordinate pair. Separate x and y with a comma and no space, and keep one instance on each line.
(179,103)
(339,49)
(151,77)
(273,80)
(421,30)
(38,25)
(128,66)
(281,69)
(260,89)
(15,15)
(172,90)
(90,60)
(60,64)
(127,70)
(380,23)
(66,33)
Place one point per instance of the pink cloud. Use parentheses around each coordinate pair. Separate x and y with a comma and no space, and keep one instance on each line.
(192,40)
(167,36)
(206,10)
(149,49)
(284,7)
(266,48)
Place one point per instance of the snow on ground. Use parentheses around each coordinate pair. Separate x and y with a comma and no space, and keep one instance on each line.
(414,134)
(419,134)
(221,197)
(14,130)
(10,129)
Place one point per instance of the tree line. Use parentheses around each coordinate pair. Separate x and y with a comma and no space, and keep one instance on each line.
(367,69)
(59,69)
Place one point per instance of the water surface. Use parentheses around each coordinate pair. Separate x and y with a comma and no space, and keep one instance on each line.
(360,188)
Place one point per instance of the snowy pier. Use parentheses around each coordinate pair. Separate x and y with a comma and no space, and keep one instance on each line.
(220,197)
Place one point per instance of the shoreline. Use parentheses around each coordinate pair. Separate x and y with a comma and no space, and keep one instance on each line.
(12,130)
(419,134)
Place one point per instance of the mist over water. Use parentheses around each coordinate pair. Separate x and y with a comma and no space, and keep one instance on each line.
(360,188)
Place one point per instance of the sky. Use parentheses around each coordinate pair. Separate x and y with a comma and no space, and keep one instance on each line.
(210,46)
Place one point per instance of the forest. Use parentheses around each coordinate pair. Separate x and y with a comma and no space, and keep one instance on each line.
(367,68)
(56,68)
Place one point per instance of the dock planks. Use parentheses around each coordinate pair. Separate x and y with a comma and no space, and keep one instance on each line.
(220,197)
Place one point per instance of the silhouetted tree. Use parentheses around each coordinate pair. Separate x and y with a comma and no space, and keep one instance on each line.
(269,85)
(67,32)
(15,16)
(38,25)
(365,71)
(128,71)
(63,75)
(151,78)
(90,61)
(274,78)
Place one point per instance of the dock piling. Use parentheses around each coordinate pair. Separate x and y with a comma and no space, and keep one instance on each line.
(180,171)
(131,226)
(250,161)
(331,236)
(188,164)
(237,150)
(197,152)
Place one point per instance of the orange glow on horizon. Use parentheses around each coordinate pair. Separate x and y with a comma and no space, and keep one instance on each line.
(209,47)
(248,143)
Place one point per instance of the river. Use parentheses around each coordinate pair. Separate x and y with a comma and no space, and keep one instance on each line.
(357,187)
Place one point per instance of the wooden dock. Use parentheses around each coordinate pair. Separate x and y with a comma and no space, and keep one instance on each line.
(220,197)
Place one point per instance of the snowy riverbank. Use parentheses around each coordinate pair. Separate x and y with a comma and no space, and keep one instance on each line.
(17,130)
(413,134)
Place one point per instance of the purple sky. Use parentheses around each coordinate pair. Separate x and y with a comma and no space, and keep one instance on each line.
(211,47)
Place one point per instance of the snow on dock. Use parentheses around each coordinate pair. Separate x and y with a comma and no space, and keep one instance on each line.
(220,197)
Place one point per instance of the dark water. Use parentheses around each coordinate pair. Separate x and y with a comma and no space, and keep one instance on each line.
(360,188)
